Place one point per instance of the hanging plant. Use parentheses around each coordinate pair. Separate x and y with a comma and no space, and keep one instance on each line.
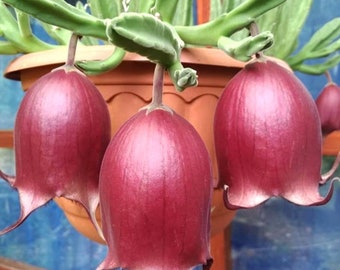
(264,145)
(155,191)
(59,142)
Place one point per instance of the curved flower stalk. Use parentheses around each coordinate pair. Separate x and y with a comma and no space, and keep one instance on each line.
(268,138)
(99,66)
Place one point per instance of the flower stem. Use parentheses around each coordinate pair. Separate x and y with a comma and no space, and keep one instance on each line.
(72,50)
(328,76)
(157,91)
(254,31)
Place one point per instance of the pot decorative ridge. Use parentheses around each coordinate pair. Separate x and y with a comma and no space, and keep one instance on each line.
(189,55)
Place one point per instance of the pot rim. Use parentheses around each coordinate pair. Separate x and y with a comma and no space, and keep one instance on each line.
(204,56)
(331,144)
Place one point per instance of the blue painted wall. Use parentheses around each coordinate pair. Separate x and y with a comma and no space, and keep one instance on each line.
(277,235)
(321,13)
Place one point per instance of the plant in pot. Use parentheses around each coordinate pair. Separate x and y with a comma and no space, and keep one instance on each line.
(157,30)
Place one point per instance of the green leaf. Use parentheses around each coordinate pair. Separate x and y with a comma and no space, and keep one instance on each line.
(61,35)
(218,7)
(244,49)
(291,17)
(13,32)
(182,77)
(139,6)
(319,69)
(100,66)
(323,43)
(147,36)
(166,9)
(184,14)
(324,36)
(227,23)
(105,9)
(7,47)
(62,14)
(175,12)
(327,50)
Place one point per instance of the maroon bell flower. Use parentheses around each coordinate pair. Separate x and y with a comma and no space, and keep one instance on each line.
(61,133)
(155,191)
(268,138)
(328,104)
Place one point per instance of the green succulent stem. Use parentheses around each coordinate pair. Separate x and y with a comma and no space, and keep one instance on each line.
(323,44)
(182,77)
(147,35)
(23,24)
(100,66)
(7,47)
(60,35)
(61,14)
(316,69)
(244,49)
(64,15)
(19,32)
(226,24)
(160,42)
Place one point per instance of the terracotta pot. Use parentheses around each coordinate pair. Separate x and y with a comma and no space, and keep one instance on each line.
(128,88)
(331,144)
(6,138)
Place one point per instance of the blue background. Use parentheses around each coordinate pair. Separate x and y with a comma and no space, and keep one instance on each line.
(276,235)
